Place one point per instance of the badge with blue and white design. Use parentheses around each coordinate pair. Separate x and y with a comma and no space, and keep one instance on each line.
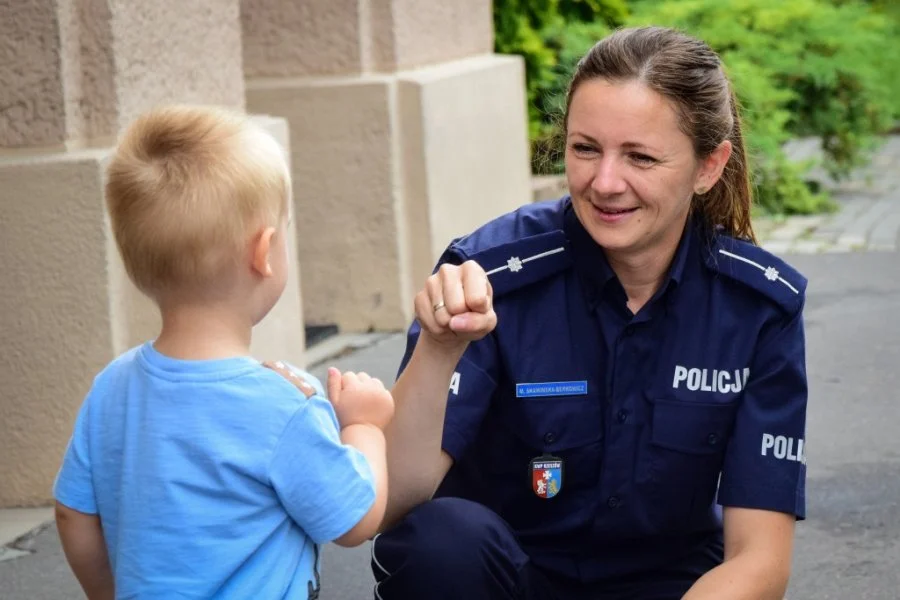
(546,476)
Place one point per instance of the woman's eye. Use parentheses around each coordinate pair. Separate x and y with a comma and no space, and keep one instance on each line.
(643,159)
(582,148)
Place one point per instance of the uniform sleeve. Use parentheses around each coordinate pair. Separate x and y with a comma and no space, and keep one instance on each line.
(765,464)
(470,390)
(325,486)
(470,387)
(74,485)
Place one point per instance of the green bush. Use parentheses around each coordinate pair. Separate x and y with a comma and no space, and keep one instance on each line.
(569,42)
(517,30)
(800,68)
(611,12)
(532,29)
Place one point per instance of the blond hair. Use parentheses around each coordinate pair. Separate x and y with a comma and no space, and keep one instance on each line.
(185,189)
(689,73)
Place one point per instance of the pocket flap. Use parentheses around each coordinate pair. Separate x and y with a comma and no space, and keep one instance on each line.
(692,427)
(560,423)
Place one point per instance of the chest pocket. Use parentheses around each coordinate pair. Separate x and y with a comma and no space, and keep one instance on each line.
(682,457)
(568,427)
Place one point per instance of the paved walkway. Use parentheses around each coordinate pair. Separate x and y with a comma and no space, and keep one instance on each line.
(868,218)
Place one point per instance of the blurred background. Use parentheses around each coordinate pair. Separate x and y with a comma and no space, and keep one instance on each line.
(408,123)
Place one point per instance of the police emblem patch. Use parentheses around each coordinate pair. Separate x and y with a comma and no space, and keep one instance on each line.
(546,476)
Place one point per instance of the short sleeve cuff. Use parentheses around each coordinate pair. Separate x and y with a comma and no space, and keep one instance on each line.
(67,494)
(790,501)
(467,402)
(357,502)
(454,443)
(325,485)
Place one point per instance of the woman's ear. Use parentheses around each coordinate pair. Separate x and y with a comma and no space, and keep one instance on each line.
(262,244)
(711,168)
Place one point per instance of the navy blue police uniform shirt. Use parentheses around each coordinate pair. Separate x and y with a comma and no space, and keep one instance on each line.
(700,397)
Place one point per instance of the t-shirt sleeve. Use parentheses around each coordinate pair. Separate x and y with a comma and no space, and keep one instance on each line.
(765,464)
(325,486)
(74,485)
(470,390)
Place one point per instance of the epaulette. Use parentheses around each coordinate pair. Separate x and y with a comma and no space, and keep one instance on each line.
(514,265)
(759,269)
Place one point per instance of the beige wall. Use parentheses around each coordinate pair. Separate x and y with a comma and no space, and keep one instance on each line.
(287,38)
(54,311)
(77,71)
(402,137)
(341,139)
(71,75)
(466,149)
(413,33)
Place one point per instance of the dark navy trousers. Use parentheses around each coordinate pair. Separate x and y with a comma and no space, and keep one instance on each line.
(453,549)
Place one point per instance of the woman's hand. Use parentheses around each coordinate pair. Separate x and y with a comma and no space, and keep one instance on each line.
(286,372)
(456,307)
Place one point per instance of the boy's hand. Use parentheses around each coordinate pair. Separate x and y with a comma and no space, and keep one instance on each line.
(359,399)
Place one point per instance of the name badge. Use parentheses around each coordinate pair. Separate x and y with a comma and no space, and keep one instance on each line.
(551,388)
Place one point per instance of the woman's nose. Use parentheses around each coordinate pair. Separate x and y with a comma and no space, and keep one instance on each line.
(608,177)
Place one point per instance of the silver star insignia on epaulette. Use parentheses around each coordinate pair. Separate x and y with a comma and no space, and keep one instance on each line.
(771,273)
(514,264)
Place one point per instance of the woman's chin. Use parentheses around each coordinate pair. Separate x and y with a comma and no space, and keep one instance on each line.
(616,239)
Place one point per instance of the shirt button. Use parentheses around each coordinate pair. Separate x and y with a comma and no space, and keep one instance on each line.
(622,416)
(613,502)
(549,437)
(713,439)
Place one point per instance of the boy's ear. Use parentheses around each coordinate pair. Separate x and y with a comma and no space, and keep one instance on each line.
(262,243)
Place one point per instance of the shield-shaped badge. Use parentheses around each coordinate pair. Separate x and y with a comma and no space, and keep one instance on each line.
(546,476)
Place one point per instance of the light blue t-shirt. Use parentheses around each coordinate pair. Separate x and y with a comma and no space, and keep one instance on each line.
(212,479)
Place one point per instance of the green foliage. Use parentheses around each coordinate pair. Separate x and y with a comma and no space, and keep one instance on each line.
(781,189)
(532,28)
(517,30)
(569,42)
(611,12)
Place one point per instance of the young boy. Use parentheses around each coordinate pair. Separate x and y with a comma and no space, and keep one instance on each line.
(194,471)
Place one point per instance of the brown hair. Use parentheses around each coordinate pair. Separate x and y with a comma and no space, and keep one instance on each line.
(185,188)
(688,73)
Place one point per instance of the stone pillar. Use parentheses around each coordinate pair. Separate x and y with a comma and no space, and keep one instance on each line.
(72,74)
(406,131)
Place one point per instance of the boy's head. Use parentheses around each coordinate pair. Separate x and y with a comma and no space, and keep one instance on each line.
(199,198)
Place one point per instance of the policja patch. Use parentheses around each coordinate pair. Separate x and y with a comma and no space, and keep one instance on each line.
(546,476)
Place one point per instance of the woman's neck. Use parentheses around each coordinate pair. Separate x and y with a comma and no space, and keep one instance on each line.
(641,274)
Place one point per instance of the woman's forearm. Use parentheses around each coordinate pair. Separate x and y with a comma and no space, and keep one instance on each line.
(743,577)
(415,463)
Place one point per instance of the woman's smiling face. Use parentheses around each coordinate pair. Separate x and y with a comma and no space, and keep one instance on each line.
(631,170)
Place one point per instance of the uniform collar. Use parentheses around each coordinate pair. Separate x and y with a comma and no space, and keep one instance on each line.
(591,261)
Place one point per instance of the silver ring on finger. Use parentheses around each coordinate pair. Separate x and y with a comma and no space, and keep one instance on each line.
(438,306)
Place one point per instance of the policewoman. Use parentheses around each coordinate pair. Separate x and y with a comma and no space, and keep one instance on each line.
(626,368)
